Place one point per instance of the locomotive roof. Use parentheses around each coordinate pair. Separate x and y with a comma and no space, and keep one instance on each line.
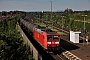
(44,29)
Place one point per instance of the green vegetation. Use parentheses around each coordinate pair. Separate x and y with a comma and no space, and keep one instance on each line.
(12,46)
(44,25)
(72,20)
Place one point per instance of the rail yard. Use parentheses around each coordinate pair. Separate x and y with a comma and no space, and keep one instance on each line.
(78,51)
(42,53)
(47,43)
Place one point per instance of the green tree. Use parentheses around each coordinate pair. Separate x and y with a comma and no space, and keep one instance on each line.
(12,46)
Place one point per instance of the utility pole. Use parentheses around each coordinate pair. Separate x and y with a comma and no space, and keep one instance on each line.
(84,31)
(42,17)
(62,24)
(51,14)
(51,10)
(84,21)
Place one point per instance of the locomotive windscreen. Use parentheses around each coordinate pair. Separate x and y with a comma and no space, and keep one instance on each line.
(52,37)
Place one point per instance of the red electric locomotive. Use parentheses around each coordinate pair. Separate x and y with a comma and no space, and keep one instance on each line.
(48,39)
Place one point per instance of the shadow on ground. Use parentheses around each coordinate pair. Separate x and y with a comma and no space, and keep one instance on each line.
(68,45)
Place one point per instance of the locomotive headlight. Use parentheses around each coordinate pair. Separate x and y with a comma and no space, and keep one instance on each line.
(56,42)
(48,42)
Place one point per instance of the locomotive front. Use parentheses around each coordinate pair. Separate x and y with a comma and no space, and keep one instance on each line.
(53,42)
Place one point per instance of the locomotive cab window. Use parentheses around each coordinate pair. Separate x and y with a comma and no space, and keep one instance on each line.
(52,37)
(55,37)
(49,37)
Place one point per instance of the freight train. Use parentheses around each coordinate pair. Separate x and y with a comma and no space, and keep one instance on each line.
(48,39)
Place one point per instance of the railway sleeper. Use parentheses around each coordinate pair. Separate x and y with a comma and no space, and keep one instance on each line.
(70,56)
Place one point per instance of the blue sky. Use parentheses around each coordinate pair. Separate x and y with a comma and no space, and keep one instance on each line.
(39,5)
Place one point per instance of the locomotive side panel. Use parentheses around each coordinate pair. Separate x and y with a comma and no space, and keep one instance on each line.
(39,37)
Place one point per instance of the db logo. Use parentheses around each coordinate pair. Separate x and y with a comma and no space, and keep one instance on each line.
(52,42)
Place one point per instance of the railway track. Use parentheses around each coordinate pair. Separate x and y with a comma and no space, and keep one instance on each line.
(59,57)
(43,53)
(67,54)
(64,55)
(60,29)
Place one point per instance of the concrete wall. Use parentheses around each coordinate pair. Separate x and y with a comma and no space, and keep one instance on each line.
(33,50)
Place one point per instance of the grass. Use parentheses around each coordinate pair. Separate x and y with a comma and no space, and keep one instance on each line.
(61,33)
